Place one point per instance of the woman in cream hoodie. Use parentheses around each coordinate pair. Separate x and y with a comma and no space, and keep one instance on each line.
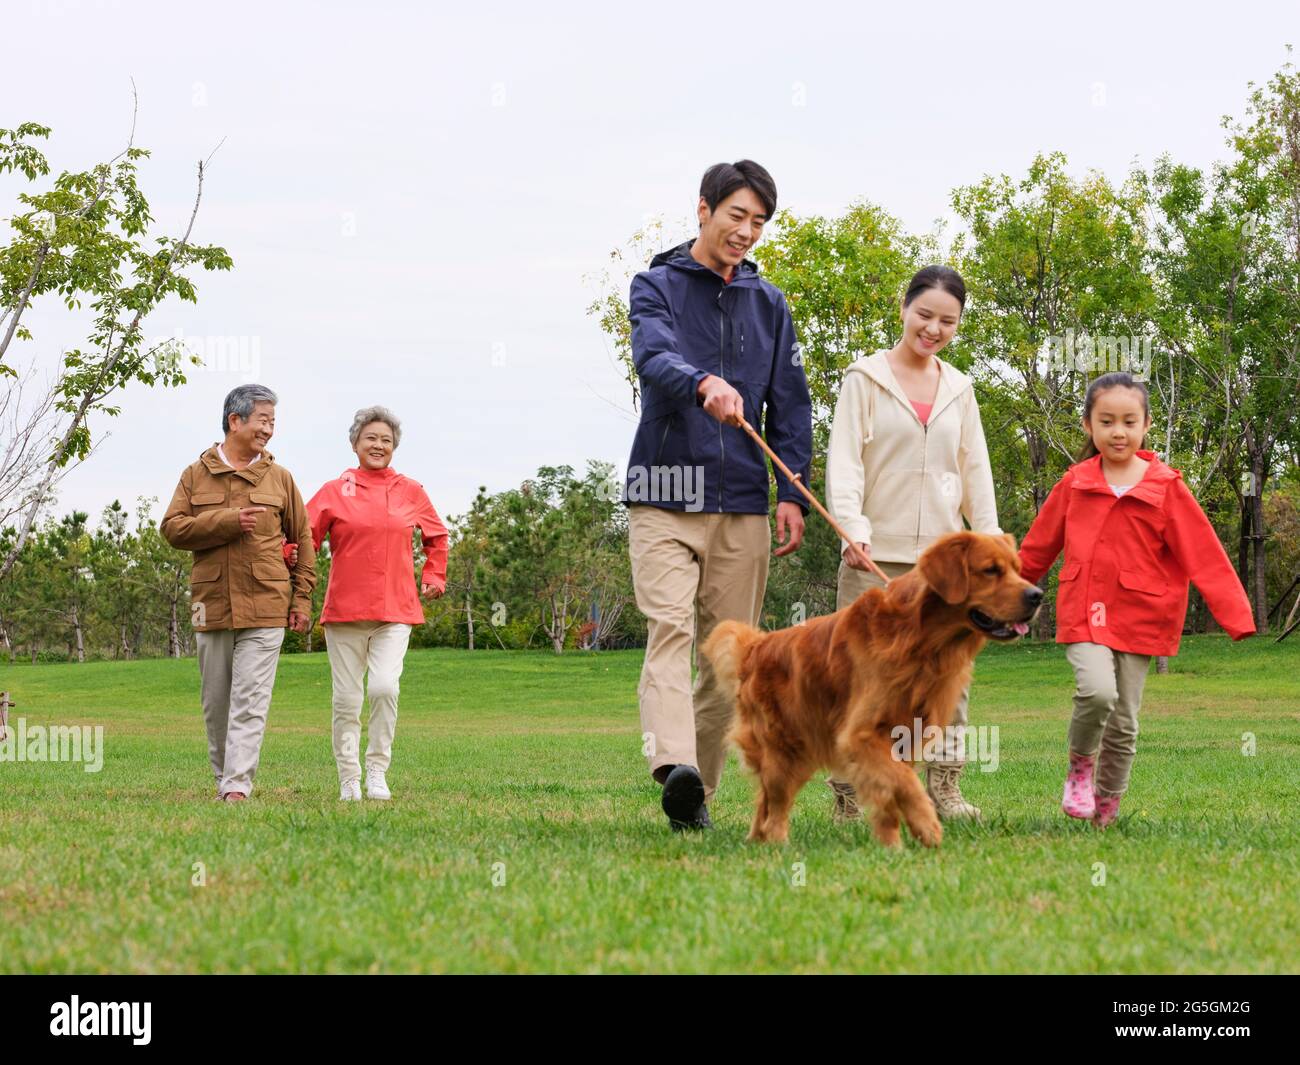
(907,463)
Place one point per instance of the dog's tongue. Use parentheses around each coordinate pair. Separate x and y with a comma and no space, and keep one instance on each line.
(1019,628)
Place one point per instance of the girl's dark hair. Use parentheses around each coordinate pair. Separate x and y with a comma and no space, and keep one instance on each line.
(1119,379)
(943,277)
(722,179)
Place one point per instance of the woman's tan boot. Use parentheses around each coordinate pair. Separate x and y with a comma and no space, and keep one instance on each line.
(941,786)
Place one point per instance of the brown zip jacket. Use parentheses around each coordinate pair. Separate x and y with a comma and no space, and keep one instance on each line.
(240,580)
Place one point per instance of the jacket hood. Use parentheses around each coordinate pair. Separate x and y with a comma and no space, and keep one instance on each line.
(1088,476)
(361,475)
(952,382)
(681,258)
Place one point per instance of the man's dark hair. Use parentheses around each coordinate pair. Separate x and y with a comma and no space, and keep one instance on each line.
(722,179)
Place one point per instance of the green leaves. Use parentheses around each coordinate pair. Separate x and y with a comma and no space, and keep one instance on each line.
(17,154)
(545,553)
(83,236)
(114,591)
(843,279)
(86,239)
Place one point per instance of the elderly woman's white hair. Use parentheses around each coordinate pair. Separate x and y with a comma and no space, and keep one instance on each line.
(366,415)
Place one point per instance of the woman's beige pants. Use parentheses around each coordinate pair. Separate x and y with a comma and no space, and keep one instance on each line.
(355,648)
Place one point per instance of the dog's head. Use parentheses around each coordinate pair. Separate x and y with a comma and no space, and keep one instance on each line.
(980,574)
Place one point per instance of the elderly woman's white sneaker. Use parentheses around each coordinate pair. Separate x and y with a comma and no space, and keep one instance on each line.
(377,786)
(350,791)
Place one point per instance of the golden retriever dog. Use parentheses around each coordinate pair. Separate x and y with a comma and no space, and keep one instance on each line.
(829,693)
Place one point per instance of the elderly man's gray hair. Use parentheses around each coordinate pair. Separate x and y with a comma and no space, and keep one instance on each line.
(241,400)
(366,415)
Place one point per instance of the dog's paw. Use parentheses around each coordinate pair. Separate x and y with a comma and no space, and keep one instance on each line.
(927,829)
(886,830)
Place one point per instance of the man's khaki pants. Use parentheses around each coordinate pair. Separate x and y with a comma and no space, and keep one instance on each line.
(691,571)
(1107,693)
(355,648)
(238,671)
(851,584)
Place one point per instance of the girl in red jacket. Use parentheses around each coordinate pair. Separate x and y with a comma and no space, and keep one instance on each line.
(1133,536)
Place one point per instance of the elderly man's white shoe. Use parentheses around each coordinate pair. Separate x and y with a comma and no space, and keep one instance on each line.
(377,787)
(350,791)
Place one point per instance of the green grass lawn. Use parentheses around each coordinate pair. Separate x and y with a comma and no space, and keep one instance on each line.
(525,835)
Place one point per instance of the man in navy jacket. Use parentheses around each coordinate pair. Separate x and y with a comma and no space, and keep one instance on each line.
(713,343)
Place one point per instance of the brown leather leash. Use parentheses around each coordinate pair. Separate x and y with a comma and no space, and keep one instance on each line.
(798,483)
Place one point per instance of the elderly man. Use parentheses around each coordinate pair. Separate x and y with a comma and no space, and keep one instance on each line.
(234,509)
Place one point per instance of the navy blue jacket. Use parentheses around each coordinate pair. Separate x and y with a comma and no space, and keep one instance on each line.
(686,324)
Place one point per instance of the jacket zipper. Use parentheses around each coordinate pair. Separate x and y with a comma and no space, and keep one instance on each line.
(722,372)
(920,503)
(925,451)
(668,424)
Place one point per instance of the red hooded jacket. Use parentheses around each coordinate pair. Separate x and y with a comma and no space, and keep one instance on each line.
(369,516)
(1128,560)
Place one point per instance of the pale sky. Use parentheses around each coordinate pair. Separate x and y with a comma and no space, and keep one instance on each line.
(412,193)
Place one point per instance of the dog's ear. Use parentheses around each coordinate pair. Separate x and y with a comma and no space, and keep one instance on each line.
(944,565)
(1011,543)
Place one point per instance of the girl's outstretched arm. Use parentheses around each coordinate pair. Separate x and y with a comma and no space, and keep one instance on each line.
(1196,546)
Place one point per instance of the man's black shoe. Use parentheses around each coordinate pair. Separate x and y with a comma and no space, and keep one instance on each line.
(683,799)
(698,822)
(693,825)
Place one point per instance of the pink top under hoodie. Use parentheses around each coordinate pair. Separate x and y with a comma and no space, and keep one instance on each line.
(369,517)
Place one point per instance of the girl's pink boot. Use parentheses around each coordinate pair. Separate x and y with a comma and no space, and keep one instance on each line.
(1078,801)
(1106,810)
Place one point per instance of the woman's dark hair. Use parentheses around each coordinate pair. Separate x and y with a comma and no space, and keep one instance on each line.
(1119,379)
(722,179)
(943,277)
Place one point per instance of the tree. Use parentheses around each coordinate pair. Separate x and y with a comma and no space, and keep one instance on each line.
(161,577)
(113,560)
(843,279)
(86,239)
(467,561)
(1058,294)
(1228,250)
(558,552)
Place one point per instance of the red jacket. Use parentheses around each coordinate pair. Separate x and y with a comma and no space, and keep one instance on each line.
(1128,560)
(369,517)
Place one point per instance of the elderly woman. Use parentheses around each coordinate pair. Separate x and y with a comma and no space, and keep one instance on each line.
(369,513)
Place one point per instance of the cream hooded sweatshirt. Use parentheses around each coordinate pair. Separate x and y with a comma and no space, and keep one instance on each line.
(896,484)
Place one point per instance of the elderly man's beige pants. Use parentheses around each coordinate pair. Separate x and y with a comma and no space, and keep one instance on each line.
(238,671)
(691,571)
(358,648)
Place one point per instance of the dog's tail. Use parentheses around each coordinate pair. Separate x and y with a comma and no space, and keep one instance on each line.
(725,649)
